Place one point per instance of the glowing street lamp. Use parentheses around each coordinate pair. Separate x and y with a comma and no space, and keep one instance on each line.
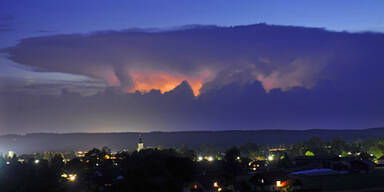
(37,161)
(200,158)
(270,157)
(217,186)
(72,177)
(69,177)
(280,184)
(210,158)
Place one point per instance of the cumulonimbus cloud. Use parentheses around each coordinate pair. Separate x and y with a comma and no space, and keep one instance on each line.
(249,77)
(206,56)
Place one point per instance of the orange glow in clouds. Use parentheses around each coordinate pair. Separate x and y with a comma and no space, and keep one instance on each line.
(112,79)
(146,81)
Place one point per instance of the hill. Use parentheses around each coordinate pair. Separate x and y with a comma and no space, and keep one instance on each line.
(38,142)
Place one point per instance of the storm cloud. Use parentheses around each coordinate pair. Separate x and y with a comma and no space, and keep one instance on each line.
(247,77)
(279,57)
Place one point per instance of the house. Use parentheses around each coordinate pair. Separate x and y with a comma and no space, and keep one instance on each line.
(204,183)
(362,166)
(257,166)
(273,181)
(106,178)
(194,187)
(313,162)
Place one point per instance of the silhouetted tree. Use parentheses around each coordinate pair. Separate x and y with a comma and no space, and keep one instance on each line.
(232,165)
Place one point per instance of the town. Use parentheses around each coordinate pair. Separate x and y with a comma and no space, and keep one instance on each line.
(312,165)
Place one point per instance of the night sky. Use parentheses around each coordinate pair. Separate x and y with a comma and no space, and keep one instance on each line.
(98,66)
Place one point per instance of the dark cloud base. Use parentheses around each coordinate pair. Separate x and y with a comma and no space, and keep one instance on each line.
(233,107)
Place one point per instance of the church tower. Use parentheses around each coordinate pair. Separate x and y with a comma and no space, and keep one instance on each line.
(140,144)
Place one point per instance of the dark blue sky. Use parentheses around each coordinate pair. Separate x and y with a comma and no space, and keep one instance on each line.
(289,75)
(34,18)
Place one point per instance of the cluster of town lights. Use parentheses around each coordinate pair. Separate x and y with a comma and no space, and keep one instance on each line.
(70,177)
(208,158)
(254,166)
(217,186)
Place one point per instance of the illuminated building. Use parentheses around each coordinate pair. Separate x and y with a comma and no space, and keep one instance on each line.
(11,154)
(140,144)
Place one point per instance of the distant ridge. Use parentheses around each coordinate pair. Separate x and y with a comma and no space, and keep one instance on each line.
(194,131)
(38,142)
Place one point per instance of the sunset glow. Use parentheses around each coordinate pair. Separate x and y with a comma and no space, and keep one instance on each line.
(267,82)
(146,81)
(112,79)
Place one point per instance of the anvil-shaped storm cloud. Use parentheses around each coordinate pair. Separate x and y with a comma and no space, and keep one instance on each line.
(279,57)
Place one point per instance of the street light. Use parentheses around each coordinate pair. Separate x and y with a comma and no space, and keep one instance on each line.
(72,177)
(281,183)
(217,186)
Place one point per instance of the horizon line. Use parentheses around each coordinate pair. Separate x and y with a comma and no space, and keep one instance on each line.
(190,131)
